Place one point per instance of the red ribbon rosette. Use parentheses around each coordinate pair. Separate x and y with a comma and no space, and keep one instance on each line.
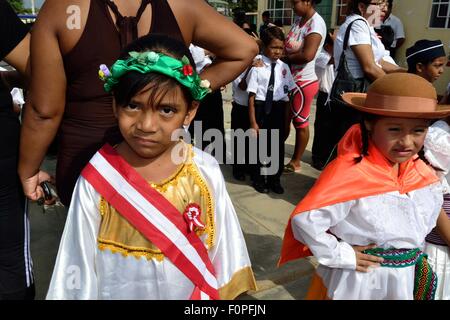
(192,216)
(188,70)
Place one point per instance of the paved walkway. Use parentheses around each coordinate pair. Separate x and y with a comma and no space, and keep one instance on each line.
(263,218)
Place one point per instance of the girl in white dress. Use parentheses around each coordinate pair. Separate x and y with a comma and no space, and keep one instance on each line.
(151,218)
(367,216)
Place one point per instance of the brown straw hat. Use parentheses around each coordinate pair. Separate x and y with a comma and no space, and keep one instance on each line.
(403,95)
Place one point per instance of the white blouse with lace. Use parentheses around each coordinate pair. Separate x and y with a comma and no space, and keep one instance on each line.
(437,150)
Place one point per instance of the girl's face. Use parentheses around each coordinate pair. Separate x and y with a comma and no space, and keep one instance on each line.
(433,70)
(147,129)
(275,49)
(398,139)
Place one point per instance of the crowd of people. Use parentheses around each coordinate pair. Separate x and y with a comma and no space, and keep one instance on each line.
(149,215)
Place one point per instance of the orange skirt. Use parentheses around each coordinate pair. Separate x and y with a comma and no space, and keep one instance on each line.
(317,290)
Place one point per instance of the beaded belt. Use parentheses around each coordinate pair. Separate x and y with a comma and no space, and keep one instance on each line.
(425,280)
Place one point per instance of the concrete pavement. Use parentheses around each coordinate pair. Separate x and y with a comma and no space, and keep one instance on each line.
(263,218)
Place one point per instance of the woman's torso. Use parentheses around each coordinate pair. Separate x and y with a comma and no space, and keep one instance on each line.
(88,120)
(295,40)
(361,33)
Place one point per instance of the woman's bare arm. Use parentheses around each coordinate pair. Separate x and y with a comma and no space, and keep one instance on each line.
(364,54)
(19,56)
(391,68)
(308,51)
(45,107)
(233,48)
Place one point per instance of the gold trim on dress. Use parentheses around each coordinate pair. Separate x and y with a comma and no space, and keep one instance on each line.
(241,281)
(137,252)
(182,188)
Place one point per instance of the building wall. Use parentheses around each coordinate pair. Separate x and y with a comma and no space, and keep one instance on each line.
(415,15)
(325,9)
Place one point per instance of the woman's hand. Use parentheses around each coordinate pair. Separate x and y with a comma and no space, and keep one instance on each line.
(33,190)
(366,261)
(257,63)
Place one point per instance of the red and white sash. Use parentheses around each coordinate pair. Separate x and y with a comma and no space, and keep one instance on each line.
(153,216)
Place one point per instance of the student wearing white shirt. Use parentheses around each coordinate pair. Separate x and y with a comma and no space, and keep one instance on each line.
(396,24)
(268,103)
(240,119)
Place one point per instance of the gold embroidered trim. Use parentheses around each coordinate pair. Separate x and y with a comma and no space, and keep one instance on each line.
(125,251)
(103,206)
(242,281)
(183,170)
(190,167)
(210,223)
(168,180)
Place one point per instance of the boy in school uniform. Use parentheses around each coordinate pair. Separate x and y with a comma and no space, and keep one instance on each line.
(268,89)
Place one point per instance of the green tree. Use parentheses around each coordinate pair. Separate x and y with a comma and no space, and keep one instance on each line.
(247,5)
(17,5)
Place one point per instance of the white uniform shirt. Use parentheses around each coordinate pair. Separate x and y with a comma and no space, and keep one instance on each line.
(437,151)
(295,39)
(241,96)
(325,71)
(201,60)
(16,93)
(361,33)
(396,24)
(258,80)
(390,220)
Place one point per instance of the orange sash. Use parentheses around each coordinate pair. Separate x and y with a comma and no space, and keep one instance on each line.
(344,180)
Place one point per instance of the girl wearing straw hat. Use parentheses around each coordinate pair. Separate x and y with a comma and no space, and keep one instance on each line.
(366,217)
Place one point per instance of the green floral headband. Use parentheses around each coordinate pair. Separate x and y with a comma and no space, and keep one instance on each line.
(149,61)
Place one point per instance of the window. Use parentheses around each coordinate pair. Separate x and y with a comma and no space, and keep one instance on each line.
(341,11)
(440,14)
(281,10)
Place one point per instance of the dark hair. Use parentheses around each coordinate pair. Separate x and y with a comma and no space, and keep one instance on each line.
(266,14)
(271,33)
(423,51)
(365,135)
(390,3)
(387,35)
(352,6)
(328,38)
(239,16)
(133,82)
(278,23)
